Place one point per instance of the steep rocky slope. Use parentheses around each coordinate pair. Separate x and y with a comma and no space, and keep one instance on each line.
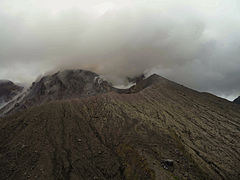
(155,130)
(8,90)
(237,101)
(61,85)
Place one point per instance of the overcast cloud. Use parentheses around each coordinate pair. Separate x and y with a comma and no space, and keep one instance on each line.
(193,42)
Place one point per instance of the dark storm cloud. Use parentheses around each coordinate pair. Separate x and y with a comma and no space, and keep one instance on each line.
(196,43)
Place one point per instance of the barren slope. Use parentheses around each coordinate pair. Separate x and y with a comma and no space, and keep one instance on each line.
(127,135)
(8,90)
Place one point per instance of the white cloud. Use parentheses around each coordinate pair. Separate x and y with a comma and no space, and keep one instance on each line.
(191,41)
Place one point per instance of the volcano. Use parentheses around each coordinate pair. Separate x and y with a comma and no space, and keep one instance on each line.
(74,125)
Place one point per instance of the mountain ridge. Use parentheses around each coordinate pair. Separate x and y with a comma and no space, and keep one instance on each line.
(69,84)
(156,129)
(61,85)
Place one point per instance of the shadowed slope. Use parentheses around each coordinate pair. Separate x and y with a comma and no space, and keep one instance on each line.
(125,136)
(237,101)
(8,90)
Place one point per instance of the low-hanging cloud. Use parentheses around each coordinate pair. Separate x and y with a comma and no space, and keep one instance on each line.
(196,43)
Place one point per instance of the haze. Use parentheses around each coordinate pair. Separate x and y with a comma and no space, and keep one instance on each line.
(193,42)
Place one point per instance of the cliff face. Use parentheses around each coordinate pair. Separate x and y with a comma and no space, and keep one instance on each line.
(156,130)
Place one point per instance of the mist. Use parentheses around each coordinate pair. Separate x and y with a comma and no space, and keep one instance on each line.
(196,43)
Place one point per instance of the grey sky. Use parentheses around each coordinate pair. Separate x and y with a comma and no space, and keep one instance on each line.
(194,42)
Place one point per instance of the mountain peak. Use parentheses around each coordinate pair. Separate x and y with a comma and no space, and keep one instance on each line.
(69,84)
(65,84)
(71,81)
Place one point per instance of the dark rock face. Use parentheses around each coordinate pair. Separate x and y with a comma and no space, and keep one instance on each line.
(157,129)
(66,84)
(69,84)
(8,90)
(237,101)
